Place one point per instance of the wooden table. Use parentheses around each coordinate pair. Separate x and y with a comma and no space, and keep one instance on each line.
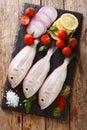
(77,119)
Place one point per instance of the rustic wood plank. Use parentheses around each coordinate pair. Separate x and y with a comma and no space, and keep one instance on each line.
(53,124)
(8,25)
(53,3)
(10,120)
(78,111)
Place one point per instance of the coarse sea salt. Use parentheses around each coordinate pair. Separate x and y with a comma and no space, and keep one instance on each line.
(12,98)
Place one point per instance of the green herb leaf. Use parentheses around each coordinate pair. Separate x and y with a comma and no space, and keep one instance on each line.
(32,98)
(42,48)
(51,29)
(27,103)
(48,31)
(27,106)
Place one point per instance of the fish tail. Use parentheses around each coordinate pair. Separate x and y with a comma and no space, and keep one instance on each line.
(51,51)
(68,59)
(36,42)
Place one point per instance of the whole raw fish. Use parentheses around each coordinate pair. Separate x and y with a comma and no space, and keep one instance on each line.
(53,85)
(37,75)
(20,64)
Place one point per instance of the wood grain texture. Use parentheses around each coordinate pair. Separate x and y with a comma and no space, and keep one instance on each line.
(78,109)
(8,26)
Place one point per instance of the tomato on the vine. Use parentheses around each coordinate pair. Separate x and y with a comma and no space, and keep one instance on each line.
(25,20)
(29,39)
(30,12)
(72,42)
(61,102)
(62,34)
(60,43)
(45,39)
(67,51)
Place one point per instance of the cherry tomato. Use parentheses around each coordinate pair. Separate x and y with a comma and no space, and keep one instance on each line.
(45,39)
(30,12)
(72,42)
(66,51)
(62,34)
(29,39)
(25,20)
(60,43)
(61,102)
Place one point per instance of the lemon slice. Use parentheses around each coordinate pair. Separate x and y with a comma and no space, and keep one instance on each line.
(60,26)
(69,21)
(54,36)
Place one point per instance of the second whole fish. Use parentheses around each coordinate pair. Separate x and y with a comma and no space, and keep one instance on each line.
(20,64)
(53,85)
(37,75)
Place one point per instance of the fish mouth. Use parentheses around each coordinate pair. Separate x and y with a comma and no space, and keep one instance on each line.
(28,96)
(43,107)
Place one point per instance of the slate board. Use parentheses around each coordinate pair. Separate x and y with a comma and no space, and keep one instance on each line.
(56,60)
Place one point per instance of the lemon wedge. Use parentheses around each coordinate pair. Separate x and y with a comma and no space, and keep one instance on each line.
(69,21)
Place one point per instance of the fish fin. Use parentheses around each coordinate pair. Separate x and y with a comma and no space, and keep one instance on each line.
(51,50)
(68,59)
(36,41)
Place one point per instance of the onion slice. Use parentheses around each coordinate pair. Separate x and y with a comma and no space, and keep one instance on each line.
(44,18)
(50,11)
(36,27)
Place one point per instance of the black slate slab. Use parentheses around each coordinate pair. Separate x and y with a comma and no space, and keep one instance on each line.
(56,60)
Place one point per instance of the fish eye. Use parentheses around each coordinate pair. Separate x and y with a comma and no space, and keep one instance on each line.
(42,99)
(26,89)
(11,77)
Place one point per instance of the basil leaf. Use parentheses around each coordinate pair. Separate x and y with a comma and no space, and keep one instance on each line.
(53,28)
(32,98)
(48,31)
(26,100)
(42,48)
(27,103)
(27,106)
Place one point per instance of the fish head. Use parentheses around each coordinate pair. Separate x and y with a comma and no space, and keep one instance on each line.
(30,87)
(45,99)
(14,77)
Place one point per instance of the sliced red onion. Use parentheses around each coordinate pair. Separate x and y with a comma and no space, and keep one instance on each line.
(36,27)
(50,11)
(44,18)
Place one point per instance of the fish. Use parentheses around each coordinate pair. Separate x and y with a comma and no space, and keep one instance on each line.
(37,74)
(53,85)
(20,64)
